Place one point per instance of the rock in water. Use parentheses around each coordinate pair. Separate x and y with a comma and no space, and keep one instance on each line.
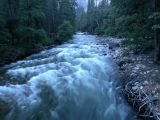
(4,109)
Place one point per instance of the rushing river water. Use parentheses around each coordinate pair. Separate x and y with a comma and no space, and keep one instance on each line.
(74,81)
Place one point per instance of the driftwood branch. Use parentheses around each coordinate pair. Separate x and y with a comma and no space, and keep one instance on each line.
(143,102)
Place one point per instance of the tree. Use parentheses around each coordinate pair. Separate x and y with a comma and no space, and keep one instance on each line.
(157,31)
(65,32)
(123,18)
(81,19)
(90,16)
(51,12)
(27,25)
(67,11)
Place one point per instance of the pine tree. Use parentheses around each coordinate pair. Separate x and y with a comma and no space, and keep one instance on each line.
(29,24)
(51,12)
(90,15)
(157,31)
(67,11)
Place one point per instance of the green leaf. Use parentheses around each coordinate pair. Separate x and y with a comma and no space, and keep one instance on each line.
(155,15)
(155,27)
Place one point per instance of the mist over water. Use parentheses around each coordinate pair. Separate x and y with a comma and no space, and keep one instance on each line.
(74,81)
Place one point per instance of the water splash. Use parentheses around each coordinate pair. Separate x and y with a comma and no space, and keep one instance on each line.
(74,81)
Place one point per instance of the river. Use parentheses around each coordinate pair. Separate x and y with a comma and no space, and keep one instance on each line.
(74,81)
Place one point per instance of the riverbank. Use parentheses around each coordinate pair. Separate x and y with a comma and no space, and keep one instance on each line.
(15,56)
(5,81)
(141,79)
(71,81)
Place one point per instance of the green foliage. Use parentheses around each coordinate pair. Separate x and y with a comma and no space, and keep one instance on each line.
(130,19)
(27,25)
(65,32)
(31,13)
(158,79)
(155,15)
(134,44)
(99,31)
(81,19)
(155,27)
(67,11)
(30,37)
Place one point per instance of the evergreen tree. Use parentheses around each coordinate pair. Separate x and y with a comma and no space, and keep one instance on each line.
(123,18)
(90,16)
(51,12)
(81,19)
(67,11)
(29,24)
(157,30)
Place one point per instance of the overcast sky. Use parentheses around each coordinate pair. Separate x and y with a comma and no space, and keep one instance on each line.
(82,3)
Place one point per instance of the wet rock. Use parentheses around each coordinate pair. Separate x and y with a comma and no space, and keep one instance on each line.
(113,45)
(4,109)
(135,88)
(156,71)
(133,75)
(136,83)
(124,61)
(146,82)
(141,87)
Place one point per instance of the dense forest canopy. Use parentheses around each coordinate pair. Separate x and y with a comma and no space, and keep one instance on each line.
(135,20)
(30,24)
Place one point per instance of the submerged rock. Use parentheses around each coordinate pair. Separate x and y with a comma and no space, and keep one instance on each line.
(4,109)
(113,45)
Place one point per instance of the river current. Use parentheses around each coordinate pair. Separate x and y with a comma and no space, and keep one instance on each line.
(74,81)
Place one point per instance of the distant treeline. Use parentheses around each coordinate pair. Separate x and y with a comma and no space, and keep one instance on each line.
(136,20)
(26,25)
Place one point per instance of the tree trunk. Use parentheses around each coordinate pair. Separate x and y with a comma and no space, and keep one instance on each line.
(29,22)
(157,33)
(13,8)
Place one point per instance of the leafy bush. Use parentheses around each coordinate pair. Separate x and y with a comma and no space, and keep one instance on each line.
(65,32)
(30,37)
(99,31)
(26,40)
(138,44)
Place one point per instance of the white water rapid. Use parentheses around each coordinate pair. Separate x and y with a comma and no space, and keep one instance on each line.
(74,81)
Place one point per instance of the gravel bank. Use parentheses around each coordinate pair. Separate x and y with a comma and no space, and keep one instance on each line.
(140,79)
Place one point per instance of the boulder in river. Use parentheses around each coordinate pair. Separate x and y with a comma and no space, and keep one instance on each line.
(113,45)
(4,109)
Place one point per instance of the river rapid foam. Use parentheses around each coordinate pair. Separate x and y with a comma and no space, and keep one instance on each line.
(74,81)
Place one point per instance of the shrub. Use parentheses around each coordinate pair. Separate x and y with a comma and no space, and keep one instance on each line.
(99,31)
(65,32)
(30,38)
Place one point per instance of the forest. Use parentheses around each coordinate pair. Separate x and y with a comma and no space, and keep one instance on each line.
(27,25)
(79,59)
(138,21)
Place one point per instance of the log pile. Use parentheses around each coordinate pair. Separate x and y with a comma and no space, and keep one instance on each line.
(142,101)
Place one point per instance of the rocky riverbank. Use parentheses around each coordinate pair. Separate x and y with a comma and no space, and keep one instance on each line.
(141,79)
(4,79)
(15,56)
